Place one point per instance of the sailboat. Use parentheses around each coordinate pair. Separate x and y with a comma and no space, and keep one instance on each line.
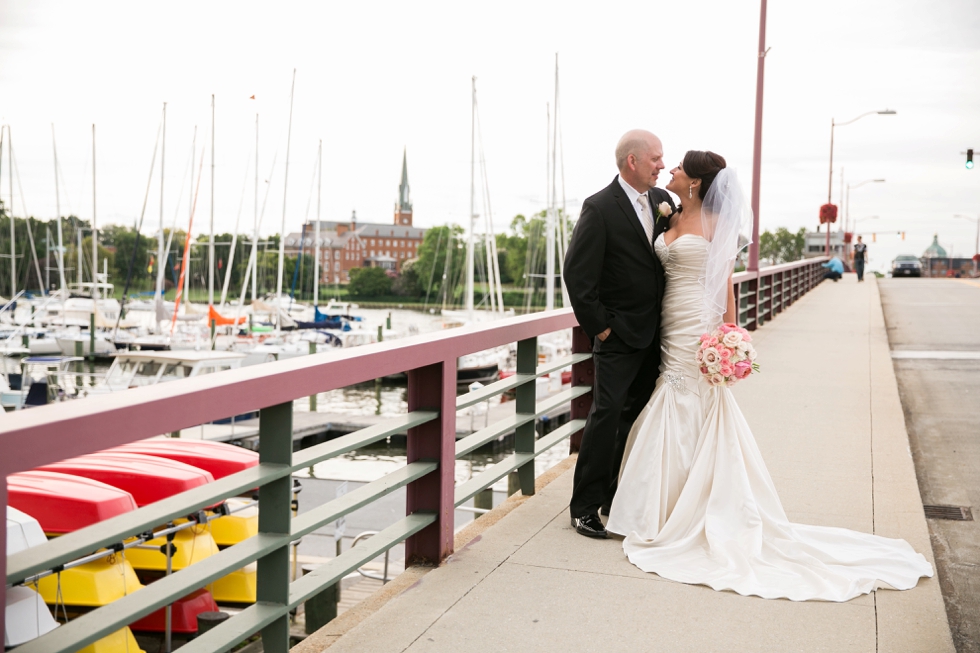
(479,367)
(493,299)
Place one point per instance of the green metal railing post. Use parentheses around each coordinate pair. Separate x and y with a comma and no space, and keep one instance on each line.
(312,396)
(583,373)
(91,336)
(275,503)
(79,365)
(527,362)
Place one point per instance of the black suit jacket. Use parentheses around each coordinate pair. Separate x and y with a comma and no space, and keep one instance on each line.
(614,278)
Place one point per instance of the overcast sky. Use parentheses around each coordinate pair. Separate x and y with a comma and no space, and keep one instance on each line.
(374,78)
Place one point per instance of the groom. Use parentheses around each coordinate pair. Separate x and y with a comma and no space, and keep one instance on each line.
(615,283)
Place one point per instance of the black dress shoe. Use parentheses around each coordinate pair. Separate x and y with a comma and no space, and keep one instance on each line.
(589,526)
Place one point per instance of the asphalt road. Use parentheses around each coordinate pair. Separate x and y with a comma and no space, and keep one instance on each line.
(934,332)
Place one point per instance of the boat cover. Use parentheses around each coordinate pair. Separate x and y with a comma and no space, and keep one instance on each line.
(64,503)
(147,478)
(219,458)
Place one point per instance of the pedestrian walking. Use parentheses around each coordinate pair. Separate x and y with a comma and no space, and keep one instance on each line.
(860,257)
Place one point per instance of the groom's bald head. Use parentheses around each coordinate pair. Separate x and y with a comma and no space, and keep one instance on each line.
(639,157)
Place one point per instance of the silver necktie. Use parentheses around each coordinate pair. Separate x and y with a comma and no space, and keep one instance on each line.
(645,218)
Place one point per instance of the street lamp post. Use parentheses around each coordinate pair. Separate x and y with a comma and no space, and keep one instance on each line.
(847,200)
(830,176)
(757,146)
(870,217)
(976,247)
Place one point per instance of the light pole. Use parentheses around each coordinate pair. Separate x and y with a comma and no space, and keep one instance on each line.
(976,247)
(856,220)
(757,147)
(847,199)
(830,176)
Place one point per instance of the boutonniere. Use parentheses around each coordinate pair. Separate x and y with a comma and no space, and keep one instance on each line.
(663,211)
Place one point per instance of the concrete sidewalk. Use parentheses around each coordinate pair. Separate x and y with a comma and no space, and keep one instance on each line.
(835,443)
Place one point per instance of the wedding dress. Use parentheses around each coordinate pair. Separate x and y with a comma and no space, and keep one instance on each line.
(695,500)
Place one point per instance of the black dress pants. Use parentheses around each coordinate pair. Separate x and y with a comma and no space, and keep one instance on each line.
(624,380)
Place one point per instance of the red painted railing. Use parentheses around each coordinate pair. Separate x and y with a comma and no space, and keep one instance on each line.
(36,437)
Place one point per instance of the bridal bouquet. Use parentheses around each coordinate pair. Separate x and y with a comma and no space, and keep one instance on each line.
(726,355)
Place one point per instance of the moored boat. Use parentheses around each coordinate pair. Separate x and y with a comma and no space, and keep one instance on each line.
(65,503)
(218,458)
(26,615)
(147,478)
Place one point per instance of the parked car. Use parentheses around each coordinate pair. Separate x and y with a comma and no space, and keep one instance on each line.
(906,265)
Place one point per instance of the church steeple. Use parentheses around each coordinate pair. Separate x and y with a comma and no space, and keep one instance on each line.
(403,207)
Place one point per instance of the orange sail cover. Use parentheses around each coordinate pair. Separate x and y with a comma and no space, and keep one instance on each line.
(215,316)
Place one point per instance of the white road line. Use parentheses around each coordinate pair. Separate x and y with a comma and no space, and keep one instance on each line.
(937,355)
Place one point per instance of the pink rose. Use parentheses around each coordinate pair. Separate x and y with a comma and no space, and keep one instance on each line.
(743,369)
(712,341)
(730,382)
(704,337)
(725,353)
(711,356)
(704,369)
(746,337)
(727,369)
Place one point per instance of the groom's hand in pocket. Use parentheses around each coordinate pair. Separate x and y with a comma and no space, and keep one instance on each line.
(605,334)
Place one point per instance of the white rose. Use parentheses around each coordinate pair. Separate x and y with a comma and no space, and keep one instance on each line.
(716,380)
(664,209)
(714,368)
(750,353)
(731,339)
(711,356)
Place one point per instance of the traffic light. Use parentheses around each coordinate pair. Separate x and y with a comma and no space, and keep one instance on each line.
(969,159)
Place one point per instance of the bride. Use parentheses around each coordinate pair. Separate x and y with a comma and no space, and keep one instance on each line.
(695,501)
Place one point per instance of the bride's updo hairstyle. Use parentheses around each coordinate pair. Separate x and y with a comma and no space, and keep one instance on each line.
(704,166)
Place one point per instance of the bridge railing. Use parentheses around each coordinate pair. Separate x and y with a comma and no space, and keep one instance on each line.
(36,437)
(765,294)
(32,438)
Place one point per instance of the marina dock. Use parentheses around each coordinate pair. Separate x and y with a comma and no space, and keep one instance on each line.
(328,425)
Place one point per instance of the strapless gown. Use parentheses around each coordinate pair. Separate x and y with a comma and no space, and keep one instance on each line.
(695,501)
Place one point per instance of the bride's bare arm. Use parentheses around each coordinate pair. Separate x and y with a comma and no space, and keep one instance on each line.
(730,314)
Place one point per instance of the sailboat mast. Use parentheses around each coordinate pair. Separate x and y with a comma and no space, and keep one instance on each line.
(282,230)
(186,261)
(95,233)
(255,218)
(57,203)
(211,235)
(470,235)
(549,272)
(161,253)
(316,230)
(10,212)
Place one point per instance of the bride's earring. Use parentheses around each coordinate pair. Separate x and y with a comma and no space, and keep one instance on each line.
(690,194)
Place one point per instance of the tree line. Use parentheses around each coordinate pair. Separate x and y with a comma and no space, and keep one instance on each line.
(436,276)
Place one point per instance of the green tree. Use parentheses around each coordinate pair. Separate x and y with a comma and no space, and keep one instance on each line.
(440,244)
(407,283)
(368,282)
(783,246)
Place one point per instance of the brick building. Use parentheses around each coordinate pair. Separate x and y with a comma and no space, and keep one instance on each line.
(348,245)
